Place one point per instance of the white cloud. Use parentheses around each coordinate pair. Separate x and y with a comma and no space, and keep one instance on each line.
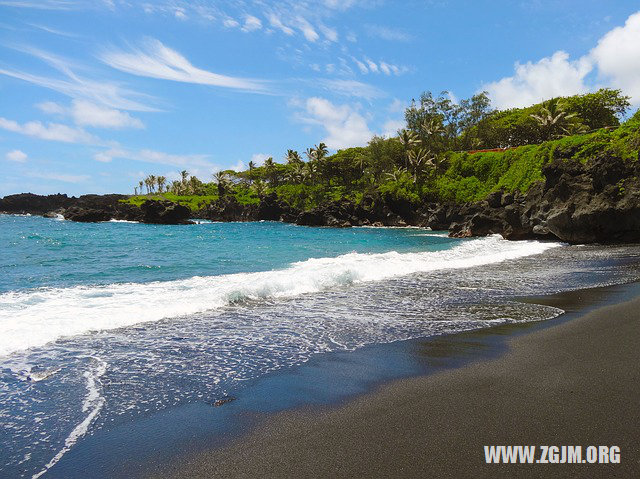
(369,66)
(231,23)
(157,157)
(16,155)
(180,14)
(307,30)
(345,127)
(276,22)
(85,113)
(41,4)
(363,68)
(387,33)
(258,158)
(329,33)
(159,61)
(534,82)
(617,56)
(59,177)
(51,131)
(391,127)
(76,86)
(351,88)
(373,67)
(615,59)
(251,23)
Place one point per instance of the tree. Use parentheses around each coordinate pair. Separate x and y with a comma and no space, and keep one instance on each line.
(252,165)
(161,180)
(140,185)
(321,151)
(259,187)
(408,140)
(312,154)
(553,119)
(293,157)
(270,169)
(220,178)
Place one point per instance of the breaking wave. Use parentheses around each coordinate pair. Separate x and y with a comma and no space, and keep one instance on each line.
(33,318)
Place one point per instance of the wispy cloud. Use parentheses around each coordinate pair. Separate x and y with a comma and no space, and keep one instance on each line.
(157,157)
(17,156)
(59,177)
(366,65)
(74,85)
(41,4)
(251,23)
(85,113)
(352,88)
(386,33)
(155,60)
(50,131)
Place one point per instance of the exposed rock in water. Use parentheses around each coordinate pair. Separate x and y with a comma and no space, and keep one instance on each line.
(165,213)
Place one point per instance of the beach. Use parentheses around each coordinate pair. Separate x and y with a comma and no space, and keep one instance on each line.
(569,381)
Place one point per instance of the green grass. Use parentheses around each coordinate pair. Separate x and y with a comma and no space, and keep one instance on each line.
(194,202)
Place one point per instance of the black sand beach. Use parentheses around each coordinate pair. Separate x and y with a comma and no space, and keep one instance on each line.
(571,381)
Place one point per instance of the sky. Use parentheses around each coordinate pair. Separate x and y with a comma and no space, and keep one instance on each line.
(97,94)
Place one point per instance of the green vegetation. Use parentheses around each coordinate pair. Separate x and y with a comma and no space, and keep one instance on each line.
(453,152)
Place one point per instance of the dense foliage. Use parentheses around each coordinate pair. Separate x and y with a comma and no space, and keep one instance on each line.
(457,152)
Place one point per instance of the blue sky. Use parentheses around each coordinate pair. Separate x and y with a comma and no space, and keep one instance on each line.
(96,94)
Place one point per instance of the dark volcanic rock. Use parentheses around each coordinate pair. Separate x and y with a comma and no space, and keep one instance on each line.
(165,213)
(595,202)
(34,204)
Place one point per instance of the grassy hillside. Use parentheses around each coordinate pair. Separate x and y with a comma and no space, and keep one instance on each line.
(419,166)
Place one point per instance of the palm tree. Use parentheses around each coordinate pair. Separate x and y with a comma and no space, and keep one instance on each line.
(152,182)
(161,182)
(221,180)
(431,127)
(140,185)
(417,159)
(408,140)
(176,187)
(259,187)
(135,191)
(321,151)
(311,171)
(293,157)
(252,165)
(312,154)
(396,174)
(553,119)
(361,162)
(270,167)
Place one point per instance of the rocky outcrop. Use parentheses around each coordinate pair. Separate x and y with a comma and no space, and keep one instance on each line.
(165,213)
(96,208)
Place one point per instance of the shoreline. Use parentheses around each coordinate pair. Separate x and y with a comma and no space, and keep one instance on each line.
(571,380)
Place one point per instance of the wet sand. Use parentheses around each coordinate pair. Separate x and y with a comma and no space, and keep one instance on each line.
(572,382)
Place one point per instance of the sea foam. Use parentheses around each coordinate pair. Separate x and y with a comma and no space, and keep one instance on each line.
(33,318)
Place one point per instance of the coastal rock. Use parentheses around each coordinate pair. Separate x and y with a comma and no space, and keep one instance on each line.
(165,212)
(24,203)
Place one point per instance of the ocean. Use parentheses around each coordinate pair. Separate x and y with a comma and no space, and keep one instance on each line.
(106,324)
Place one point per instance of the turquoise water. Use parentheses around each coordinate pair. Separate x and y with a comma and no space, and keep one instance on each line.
(105,324)
(47,252)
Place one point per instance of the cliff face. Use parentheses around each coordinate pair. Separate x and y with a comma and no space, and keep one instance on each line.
(593,202)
